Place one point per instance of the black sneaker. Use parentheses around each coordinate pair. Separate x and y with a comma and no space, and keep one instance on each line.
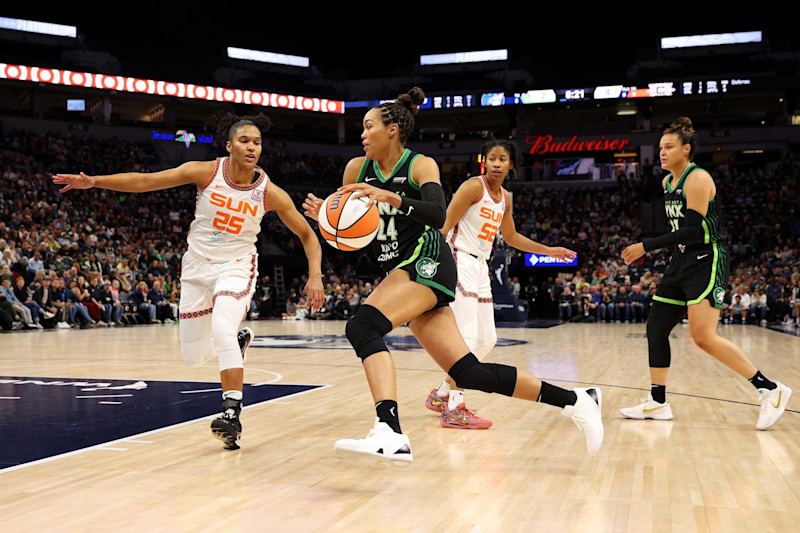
(245,337)
(227,427)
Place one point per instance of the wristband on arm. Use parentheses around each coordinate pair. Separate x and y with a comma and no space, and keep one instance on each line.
(691,232)
(430,210)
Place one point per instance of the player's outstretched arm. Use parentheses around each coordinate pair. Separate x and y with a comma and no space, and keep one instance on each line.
(197,172)
(280,202)
(520,242)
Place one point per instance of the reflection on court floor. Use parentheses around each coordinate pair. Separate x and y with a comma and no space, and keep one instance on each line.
(44,417)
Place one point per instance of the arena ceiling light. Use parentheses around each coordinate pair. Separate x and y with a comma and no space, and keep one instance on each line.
(34,26)
(464,57)
(267,57)
(713,39)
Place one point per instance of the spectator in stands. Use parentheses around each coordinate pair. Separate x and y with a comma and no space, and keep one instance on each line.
(740,305)
(25,296)
(9,319)
(621,307)
(636,301)
(157,298)
(606,302)
(291,309)
(565,303)
(34,265)
(144,306)
(24,312)
(515,286)
(110,308)
(265,296)
(78,313)
(44,296)
(587,306)
(60,301)
(758,307)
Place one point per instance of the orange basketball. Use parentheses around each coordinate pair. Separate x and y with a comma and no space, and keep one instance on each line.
(347,223)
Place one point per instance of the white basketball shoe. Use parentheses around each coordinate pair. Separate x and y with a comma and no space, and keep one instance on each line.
(381,443)
(587,415)
(649,408)
(773,404)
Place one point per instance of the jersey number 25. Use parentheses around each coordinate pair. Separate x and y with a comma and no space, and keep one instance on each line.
(225,222)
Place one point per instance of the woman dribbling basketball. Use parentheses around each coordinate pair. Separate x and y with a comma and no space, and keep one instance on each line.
(419,284)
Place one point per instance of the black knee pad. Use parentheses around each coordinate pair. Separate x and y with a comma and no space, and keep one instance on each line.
(662,319)
(365,331)
(469,373)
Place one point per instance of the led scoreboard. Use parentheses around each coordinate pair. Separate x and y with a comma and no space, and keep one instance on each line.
(574,95)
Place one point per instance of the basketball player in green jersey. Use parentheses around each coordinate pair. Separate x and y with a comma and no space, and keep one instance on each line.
(419,283)
(694,279)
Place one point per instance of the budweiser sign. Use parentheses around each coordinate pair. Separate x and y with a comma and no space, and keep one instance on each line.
(544,144)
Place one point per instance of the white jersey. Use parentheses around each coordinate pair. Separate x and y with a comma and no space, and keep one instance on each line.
(475,232)
(227,216)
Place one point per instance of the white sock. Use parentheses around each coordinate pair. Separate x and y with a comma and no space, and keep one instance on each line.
(443,390)
(232,394)
(456,399)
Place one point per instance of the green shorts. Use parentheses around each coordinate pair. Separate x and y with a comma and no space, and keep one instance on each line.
(431,263)
(696,274)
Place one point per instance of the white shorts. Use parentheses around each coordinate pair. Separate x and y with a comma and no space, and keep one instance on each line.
(473,306)
(473,277)
(202,282)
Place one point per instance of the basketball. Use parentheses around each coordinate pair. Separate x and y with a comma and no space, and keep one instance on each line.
(346,223)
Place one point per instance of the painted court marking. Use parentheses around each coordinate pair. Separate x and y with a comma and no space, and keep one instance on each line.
(104,445)
(106,396)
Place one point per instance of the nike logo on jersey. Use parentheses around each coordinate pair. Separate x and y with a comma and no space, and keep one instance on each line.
(370,179)
(410,208)
(699,257)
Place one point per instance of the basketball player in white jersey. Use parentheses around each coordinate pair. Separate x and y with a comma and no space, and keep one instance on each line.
(479,208)
(220,268)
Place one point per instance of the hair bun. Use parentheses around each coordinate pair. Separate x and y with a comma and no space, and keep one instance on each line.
(683,123)
(412,99)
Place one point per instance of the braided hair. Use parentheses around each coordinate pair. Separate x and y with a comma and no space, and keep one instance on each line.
(229,124)
(513,152)
(402,111)
(683,128)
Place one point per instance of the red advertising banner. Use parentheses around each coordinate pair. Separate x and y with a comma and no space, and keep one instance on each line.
(544,144)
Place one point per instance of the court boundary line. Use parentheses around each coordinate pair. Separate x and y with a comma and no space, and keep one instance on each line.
(151,432)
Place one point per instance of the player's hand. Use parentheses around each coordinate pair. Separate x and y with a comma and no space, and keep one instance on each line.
(73,181)
(565,254)
(633,252)
(315,292)
(311,206)
(372,194)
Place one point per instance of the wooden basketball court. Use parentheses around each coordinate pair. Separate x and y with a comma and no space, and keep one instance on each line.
(707,470)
